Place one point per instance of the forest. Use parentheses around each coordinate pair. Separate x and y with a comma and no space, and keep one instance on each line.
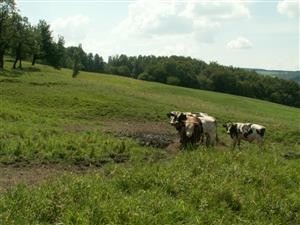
(20,40)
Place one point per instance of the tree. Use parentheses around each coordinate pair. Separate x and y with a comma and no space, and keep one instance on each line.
(46,42)
(76,60)
(90,62)
(60,52)
(36,45)
(98,64)
(7,7)
(20,41)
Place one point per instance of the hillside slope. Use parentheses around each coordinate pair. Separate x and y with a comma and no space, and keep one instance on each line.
(98,121)
(52,94)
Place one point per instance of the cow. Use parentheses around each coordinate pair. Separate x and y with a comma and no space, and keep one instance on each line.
(245,131)
(208,123)
(188,126)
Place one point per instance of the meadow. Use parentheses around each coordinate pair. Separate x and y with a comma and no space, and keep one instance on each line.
(49,118)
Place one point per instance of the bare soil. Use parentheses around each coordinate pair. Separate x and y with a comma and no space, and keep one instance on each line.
(155,134)
(11,175)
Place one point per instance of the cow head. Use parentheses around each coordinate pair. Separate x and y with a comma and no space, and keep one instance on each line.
(193,125)
(231,128)
(177,119)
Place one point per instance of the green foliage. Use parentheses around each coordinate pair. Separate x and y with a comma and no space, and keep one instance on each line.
(188,72)
(98,64)
(21,41)
(7,9)
(50,52)
(76,61)
(173,80)
(290,75)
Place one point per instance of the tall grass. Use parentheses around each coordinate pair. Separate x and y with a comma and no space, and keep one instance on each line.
(196,187)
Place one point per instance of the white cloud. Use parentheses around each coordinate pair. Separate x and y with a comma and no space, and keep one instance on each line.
(239,43)
(205,32)
(147,19)
(74,28)
(215,10)
(289,8)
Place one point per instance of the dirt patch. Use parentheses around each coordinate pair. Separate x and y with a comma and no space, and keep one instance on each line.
(48,84)
(11,175)
(155,134)
(31,69)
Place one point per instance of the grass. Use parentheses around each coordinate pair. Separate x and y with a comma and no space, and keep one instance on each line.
(41,107)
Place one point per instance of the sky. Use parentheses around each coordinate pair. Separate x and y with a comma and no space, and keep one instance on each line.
(242,33)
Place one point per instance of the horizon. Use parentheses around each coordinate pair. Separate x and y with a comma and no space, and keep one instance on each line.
(244,34)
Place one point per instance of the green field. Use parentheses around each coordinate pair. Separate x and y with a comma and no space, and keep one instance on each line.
(49,118)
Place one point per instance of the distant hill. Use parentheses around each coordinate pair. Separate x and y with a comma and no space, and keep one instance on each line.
(289,75)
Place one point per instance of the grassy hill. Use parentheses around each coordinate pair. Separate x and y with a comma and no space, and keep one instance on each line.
(97,121)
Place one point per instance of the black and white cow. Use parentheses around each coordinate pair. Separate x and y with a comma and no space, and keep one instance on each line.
(188,126)
(209,125)
(245,131)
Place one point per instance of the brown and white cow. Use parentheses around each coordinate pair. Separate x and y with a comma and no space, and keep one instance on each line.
(188,126)
(208,123)
(245,131)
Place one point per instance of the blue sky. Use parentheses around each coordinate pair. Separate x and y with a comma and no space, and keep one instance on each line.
(254,34)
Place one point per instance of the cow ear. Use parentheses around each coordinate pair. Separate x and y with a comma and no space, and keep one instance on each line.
(182,117)
(171,114)
(227,124)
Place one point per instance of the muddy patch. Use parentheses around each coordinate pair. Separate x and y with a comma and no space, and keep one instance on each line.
(154,134)
(153,140)
(31,69)
(48,84)
(14,174)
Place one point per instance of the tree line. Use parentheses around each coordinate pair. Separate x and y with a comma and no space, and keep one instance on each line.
(21,40)
(194,73)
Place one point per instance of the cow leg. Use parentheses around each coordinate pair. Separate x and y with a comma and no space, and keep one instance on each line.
(207,140)
(260,142)
(239,143)
(202,138)
(234,143)
(183,140)
(213,140)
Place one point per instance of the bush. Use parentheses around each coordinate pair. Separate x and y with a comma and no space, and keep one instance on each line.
(173,80)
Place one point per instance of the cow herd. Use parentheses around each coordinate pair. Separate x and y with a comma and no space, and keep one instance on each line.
(201,128)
